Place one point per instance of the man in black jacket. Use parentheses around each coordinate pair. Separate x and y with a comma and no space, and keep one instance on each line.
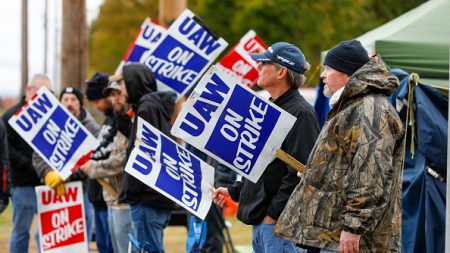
(22,174)
(281,73)
(150,211)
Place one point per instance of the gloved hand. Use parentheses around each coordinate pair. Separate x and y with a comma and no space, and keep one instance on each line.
(52,179)
(60,189)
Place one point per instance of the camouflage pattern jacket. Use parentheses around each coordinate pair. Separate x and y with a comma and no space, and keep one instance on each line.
(352,179)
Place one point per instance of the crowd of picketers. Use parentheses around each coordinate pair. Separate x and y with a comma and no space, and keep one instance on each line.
(347,199)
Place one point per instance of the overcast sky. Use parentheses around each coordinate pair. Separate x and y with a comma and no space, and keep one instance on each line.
(10,45)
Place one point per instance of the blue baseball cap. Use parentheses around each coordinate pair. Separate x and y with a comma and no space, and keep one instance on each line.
(285,54)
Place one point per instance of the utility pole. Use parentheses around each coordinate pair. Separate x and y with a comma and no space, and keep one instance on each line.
(74,44)
(45,36)
(169,10)
(24,44)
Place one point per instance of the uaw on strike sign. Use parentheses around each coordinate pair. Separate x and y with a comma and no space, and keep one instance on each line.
(229,122)
(146,39)
(165,166)
(238,62)
(186,51)
(54,133)
(62,226)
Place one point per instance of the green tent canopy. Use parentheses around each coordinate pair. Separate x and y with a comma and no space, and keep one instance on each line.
(417,41)
(422,45)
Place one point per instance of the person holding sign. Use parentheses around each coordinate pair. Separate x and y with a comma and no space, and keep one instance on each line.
(94,93)
(150,210)
(281,73)
(72,99)
(22,174)
(349,197)
(108,162)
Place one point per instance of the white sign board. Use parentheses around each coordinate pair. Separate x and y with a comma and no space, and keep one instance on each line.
(238,62)
(183,55)
(231,123)
(165,166)
(54,133)
(147,38)
(61,220)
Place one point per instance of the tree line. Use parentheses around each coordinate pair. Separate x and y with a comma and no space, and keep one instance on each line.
(314,26)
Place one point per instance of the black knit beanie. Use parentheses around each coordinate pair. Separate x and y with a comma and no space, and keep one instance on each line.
(96,85)
(347,56)
(72,90)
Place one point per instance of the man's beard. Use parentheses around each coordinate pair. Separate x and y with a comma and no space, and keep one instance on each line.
(327,91)
(74,111)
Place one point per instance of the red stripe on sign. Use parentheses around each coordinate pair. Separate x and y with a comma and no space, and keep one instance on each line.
(34,96)
(82,161)
(156,23)
(130,48)
(18,111)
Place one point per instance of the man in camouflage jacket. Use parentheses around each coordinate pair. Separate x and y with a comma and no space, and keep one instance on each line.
(349,197)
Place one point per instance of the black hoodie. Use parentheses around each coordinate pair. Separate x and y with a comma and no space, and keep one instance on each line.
(156,108)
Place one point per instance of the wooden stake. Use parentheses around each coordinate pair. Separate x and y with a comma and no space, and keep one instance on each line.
(289,160)
(108,187)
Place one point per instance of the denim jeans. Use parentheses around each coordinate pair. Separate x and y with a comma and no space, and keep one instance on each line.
(119,221)
(24,208)
(148,224)
(102,238)
(88,210)
(264,241)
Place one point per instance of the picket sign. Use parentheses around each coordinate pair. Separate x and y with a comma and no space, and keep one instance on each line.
(238,62)
(146,38)
(164,165)
(54,133)
(231,123)
(184,53)
(62,219)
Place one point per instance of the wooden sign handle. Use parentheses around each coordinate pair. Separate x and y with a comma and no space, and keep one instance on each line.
(289,160)
(108,187)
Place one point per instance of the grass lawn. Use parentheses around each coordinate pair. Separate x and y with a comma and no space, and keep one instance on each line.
(174,237)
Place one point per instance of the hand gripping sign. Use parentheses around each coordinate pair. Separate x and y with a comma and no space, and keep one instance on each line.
(147,38)
(61,220)
(238,62)
(54,133)
(229,122)
(186,51)
(165,166)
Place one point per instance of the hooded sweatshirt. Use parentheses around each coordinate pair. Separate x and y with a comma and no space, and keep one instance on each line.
(156,108)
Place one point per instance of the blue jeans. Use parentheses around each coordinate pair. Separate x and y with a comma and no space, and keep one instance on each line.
(264,241)
(102,238)
(24,208)
(119,221)
(148,224)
